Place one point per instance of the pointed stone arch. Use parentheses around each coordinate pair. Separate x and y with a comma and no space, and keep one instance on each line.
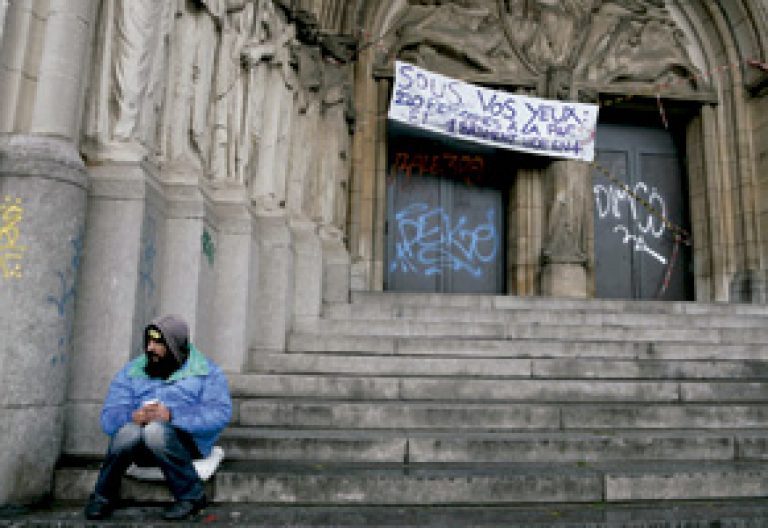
(726,136)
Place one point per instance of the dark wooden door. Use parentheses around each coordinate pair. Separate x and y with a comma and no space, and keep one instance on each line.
(635,252)
(444,216)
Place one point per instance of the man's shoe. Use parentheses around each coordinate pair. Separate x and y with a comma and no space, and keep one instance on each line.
(98,508)
(184,509)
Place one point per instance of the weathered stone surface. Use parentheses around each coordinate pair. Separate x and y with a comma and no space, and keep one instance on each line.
(42,195)
(691,483)
(30,437)
(374,488)
(376,415)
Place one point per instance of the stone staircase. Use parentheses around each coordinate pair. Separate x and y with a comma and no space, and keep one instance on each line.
(452,399)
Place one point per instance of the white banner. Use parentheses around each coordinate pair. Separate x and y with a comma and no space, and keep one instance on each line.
(448,106)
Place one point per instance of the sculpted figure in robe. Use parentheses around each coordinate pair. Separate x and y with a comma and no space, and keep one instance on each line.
(127,79)
(137,25)
(270,59)
(187,138)
(229,155)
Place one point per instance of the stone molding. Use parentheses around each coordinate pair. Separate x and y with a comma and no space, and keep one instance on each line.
(43,157)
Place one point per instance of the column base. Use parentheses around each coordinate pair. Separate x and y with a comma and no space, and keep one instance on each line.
(564,279)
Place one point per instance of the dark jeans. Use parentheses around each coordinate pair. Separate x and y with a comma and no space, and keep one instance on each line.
(155,444)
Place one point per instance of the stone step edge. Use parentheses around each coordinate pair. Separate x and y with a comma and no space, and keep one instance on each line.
(311,342)
(709,513)
(449,314)
(501,367)
(513,302)
(511,331)
(515,349)
(459,484)
(239,432)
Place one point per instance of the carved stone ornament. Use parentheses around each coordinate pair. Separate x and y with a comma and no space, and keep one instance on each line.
(598,41)
(127,81)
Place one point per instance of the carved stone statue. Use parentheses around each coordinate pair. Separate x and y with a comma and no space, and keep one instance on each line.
(128,79)
(186,138)
(229,157)
(453,35)
(271,62)
(136,28)
(601,41)
(565,240)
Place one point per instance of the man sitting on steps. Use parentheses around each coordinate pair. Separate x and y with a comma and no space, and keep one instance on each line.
(164,408)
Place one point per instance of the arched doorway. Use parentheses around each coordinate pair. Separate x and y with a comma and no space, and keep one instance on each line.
(680,54)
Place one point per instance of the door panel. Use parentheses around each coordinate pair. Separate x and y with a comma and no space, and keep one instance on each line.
(634,249)
(612,209)
(661,174)
(444,221)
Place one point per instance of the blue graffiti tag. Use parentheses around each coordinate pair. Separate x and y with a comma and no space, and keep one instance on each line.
(68,278)
(148,254)
(429,242)
(66,296)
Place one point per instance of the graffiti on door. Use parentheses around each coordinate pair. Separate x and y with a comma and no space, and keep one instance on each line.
(609,201)
(430,242)
(469,168)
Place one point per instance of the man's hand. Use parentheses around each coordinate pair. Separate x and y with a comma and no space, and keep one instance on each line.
(139,416)
(155,412)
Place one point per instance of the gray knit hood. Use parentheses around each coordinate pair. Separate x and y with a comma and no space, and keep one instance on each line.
(175,334)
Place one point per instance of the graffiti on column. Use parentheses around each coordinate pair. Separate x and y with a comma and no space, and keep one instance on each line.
(609,200)
(430,242)
(209,249)
(66,297)
(11,253)
(148,254)
(68,277)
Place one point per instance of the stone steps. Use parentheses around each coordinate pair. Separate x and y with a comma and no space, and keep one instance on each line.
(414,388)
(457,330)
(420,447)
(521,348)
(399,399)
(461,416)
(734,513)
(528,315)
(398,484)
(507,302)
(464,366)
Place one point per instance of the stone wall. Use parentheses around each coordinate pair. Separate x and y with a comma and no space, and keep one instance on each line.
(198,168)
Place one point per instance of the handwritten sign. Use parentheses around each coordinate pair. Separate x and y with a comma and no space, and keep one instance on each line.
(11,213)
(448,106)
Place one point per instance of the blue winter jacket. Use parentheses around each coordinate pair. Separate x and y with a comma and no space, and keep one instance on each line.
(197,396)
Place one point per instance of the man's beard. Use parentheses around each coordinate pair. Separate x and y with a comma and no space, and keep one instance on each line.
(163,368)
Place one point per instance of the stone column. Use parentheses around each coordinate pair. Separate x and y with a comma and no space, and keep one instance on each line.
(120,289)
(273,292)
(336,283)
(125,225)
(564,260)
(188,282)
(233,277)
(42,212)
(308,269)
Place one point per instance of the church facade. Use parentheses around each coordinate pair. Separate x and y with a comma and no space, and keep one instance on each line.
(232,161)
